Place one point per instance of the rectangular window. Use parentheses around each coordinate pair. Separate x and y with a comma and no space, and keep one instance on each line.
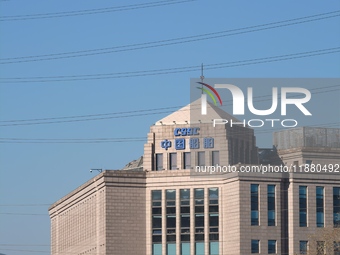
(159,161)
(254,204)
(215,158)
(186,160)
(199,248)
(173,161)
(336,248)
(199,214)
(320,248)
(156,197)
(214,248)
(303,247)
(185,215)
(271,246)
(320,207)
(255,246)
(213,215)
(185,248)
(303,205)
(271,204)
(157,249)
(171,216)
(201,158)
(336,206)
(171,249)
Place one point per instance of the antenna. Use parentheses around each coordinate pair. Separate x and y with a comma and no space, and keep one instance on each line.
(202,76)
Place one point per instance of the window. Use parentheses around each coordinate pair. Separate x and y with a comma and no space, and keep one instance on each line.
(214,248)
(254,190)
(320,248)
(303,205)
(199,214)
(157,249)
(255,246)
(336,206)
(186,160)
(171,216)
(159,161)
(185,248)
(320,207)
(271,246)
(156,197)
(213,215)
(309,162)
(336,248)
(201,158)
(173,161)
(303,247)
(199,248)
(215,158)
(271,204)
(185,216)
(171,249)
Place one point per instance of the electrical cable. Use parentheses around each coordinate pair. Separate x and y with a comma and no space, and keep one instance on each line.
(92,11)
(173,41)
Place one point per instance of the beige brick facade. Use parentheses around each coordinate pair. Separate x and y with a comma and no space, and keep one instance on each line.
(113,213)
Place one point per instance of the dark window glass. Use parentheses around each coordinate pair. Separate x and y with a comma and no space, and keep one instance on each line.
(213,193)
(215,158)
(336,248)
(171,238)
(185,221)
(156,221)
(185,194)
(255,246)
(254,204)
(271,204)
(171,221)
(199,209)
(213,237)
(186,160)
(303,205)
(185,209)
(185,238)
(201,158)
(157,238)
(157,210)
(271,246)
(173,161)
(303,247)
(199,237)
(319,206)
(156,195)
(213,220)
(171,210)
(159,161)
(213,208)
(336,206)
(170,194)
(199,220)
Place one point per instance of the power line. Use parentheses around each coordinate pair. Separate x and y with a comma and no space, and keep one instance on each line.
(93,11)
(174,41)
(128,114)
(124,139)
(43,79)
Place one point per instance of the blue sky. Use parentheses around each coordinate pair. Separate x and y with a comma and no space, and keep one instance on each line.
(34,175)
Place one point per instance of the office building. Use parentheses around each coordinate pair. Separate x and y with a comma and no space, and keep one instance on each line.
(201,190)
